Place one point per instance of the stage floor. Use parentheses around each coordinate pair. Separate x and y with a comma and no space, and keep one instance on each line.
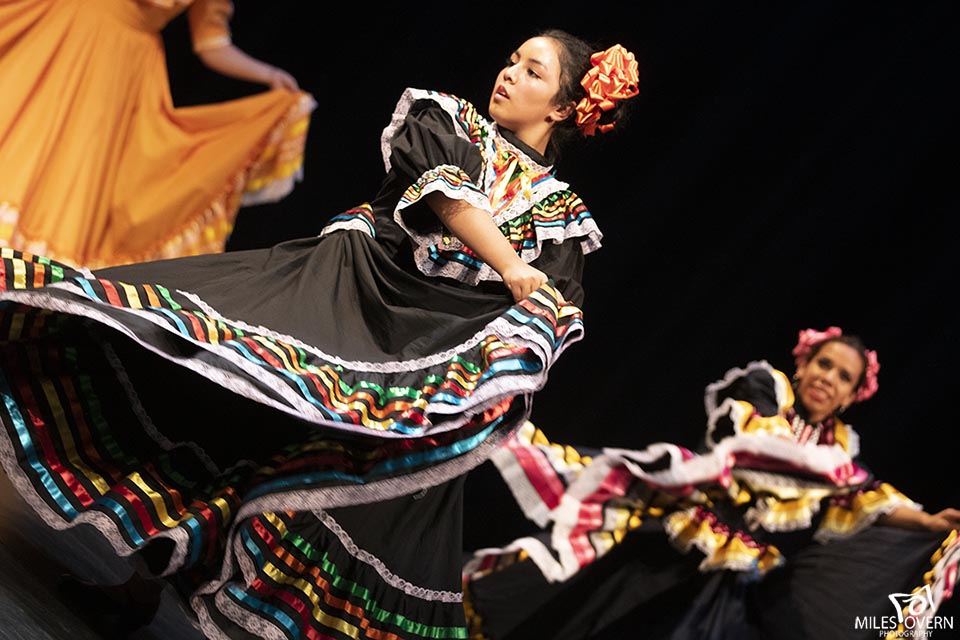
(32,556)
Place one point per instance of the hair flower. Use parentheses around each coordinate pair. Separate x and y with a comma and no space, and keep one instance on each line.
(613,76)
(810,337)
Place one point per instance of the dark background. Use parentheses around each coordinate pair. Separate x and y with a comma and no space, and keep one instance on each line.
(787,165)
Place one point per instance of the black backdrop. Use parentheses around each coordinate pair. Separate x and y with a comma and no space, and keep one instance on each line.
(787,165)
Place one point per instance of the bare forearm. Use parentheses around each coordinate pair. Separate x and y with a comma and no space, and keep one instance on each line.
(476,229)
(231,61)
(906,518)
(235,63)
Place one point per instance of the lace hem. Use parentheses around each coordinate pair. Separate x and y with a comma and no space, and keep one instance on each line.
(207,231)
(294,404)
(144,418)
(351,495)
(388,576)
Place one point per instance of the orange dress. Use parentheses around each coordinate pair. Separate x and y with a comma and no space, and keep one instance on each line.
(97,166)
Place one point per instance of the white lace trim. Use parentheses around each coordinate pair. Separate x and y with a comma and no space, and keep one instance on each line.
(396,366)
(239,385)
(481,398)
(824,536)
(853,441)
(771,481)
(144,418)
(538,552)
(362,226)
(407,98)
(501,140)
(731,409)
(587,231)
(487,395)
(705,544)
(98,520)
(207,626)
(388,576)
(758,517)
(52,519)
(276,190)
(351,495)
(452,107)
(379,490)
(258,625)
(245,563)
(710,395)
(823,459)
(517,480)
(297,501)
(692,471)
(423,241)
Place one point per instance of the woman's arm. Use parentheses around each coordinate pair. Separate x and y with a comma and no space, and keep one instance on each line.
(235,63)
(476,229)
(906,518)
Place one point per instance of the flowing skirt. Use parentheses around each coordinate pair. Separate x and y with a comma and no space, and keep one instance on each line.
(99,168)
(280,432)
(610,550)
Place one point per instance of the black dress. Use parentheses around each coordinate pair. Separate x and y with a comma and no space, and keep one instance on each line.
(769,532)
(233,417)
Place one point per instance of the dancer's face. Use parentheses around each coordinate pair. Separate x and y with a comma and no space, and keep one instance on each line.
(523,95)
(828,380)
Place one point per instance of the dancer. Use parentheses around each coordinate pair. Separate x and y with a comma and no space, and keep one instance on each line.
(775,530)
(306,475)
(98,167)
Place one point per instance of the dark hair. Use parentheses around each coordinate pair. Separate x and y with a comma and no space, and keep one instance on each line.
(574,56)
(852,341)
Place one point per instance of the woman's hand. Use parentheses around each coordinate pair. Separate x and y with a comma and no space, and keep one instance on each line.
(944,520)
(280,79)
(476,229)
(522,279)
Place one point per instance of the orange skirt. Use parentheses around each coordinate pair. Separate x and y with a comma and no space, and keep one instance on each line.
(98,168)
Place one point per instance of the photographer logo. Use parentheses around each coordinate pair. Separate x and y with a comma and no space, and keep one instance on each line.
(914,617)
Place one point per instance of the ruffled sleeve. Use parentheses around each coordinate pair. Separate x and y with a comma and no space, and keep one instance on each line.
(428,153)
(748,400)
(431,152)
(754,400)
(428,140)
(210,24)
(436,142)
(850,512)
